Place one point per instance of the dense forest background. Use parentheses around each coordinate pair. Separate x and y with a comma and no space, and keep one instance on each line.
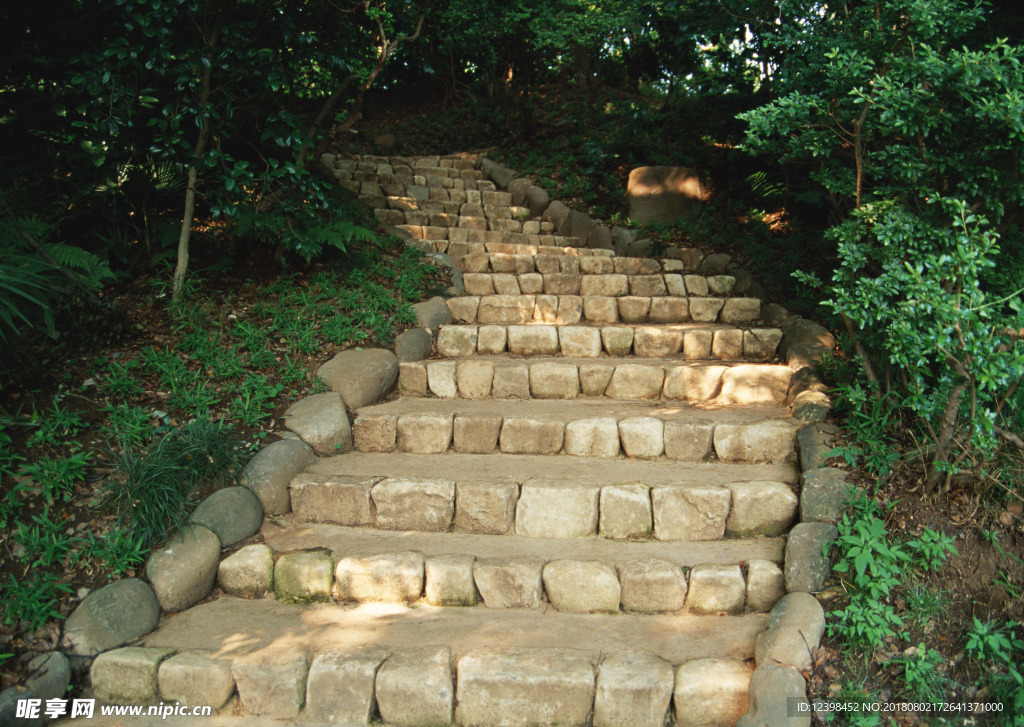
(864,159)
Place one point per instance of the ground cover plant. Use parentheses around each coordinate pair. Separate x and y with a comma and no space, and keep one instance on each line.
(105,454)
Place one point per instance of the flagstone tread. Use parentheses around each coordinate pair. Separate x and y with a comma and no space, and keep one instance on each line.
(233,627)
(287,534)
(555,471)
(563,410)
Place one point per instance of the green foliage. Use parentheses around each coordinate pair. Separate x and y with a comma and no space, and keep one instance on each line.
(152,489)
(931,549)
(53,426)
(57,476)
(924,674)
(999,650)
(916,139)
(255,400)
(115,552)
(44,543)
(32,601)
(128,425)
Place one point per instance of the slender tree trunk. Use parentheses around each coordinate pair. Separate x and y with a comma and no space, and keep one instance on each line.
(947,429)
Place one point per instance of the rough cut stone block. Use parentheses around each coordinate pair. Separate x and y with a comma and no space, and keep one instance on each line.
(457,341)
(196,677)
(561,284)
(600,309)
(647,285)
(823,494)
(705,310)
(424,433)
(372,433)
(579,341)
(414,505)
(449,580)
(689,440)
(696,512)
(272,684)
(526,435)
(633,690)
(415,688)
(552,380)
(515,687)
(557,511)
(760,344)
(390,578)
(513,583)
(695,384)
(506,309)
(674,284)
(626,512)
(594,437)
(127,675)
(669,310)
(772,440)
(441,379)
(339,499)
(617,340)
(546,309)
(485,507)
(582,586)
(738,311)
(716,589)
(727,344)
(711,692)
(652,342)
(652,586)
(594,378)
(340,686)
(533,340)
(596,265)
(464,309)
(751,384)
(505,284)
(765,585)
(697,344)
(760,508)
(476,433)
(636,382)
(473,378)
(604,285)
(642,437)
(634,310)
(304,575)
(247,573)
(721,284)
(511,381)
(696,285)
(478,283)
(569,311)
(412,379)
(491,340)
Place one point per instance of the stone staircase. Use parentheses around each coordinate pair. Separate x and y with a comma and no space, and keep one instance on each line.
(574,514)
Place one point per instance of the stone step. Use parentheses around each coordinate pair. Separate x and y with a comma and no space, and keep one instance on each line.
(501,298)
(498,504)
(564,275)
(587,428)
(403,665)
(321,562)
(627,379)
(559,335)
(540,260)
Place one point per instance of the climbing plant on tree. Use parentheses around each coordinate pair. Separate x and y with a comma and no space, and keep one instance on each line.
(917,140)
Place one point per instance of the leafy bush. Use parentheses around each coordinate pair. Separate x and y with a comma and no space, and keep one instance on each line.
(915,138)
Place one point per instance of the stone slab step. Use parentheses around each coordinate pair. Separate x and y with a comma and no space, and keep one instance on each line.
(550,471)
(564,336)
(533,259)
(481,571)
(588,428)
(335,663)
(484,377)
(541,305)
(498,504)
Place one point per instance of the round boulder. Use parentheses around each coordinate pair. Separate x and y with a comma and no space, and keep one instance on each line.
(183,571)
(361,376)
(110,616)
(269,473)
(413,345)
(322,422)
(233,514)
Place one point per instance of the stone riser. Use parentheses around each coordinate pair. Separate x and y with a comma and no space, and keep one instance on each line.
(520,687)
(642,437)
(533,259)
(694,513)
(562,338)
(569,308)
(461,580)
(502,379)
